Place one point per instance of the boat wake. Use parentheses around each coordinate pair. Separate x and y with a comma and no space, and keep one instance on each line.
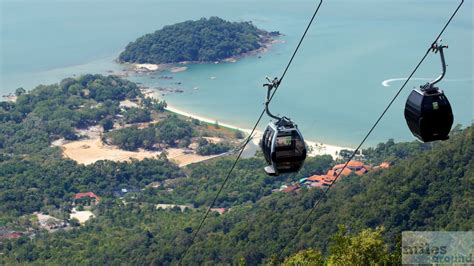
(386,83)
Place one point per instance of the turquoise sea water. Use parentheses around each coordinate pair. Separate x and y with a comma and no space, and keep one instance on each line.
(333,90)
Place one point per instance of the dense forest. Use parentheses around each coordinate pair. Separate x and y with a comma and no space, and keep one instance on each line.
(203,40)
(428,187)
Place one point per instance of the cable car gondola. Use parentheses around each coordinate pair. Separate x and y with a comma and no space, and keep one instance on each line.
(282,144)
(428,112)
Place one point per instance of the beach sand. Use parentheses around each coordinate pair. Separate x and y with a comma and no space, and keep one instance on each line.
(147,67)
(317,148)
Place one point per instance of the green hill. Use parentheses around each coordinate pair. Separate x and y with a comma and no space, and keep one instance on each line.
(429,187)
(203,40)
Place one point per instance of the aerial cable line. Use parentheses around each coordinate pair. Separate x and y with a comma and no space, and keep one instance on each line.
(317,204)
(249,138)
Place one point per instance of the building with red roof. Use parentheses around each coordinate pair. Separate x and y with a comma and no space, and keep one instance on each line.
(361,172)
(320,180)
(356,167)
(87,196)
(9,234)
(218,210)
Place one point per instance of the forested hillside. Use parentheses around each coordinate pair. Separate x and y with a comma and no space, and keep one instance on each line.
(34,174)
(204,40)
(428,187)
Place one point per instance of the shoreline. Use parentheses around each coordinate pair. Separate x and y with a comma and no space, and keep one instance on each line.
(318,147)
(177,67)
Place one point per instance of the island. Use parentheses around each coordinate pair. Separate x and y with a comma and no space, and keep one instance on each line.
(201,41)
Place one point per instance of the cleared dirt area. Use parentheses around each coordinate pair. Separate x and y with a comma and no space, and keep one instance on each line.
(82,216)
(88,151)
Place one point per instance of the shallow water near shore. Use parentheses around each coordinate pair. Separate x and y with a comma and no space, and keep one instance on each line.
(333,90)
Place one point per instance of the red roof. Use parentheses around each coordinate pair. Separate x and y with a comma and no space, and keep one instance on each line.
(321,179)
(361,171)
(355,164)
(331,173)
(12,235)
(345,172)
(385,165)
(351,164)
(316,178)
(219,210)
(86,195)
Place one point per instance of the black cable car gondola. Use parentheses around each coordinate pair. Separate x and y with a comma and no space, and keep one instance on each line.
(427,111)
(282,144)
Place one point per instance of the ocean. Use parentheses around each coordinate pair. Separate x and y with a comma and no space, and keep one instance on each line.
(351,64)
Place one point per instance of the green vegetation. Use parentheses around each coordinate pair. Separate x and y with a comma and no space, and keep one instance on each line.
(250,185)
(202,40)
(35,176)
(209,148)
(430,191)
(170,131)
(137,115)
(365,248)
(428,187)
(51,112)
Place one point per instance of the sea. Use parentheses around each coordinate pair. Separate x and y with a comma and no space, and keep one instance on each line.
(355,57)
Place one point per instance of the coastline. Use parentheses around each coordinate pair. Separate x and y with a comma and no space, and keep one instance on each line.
(318,148)
(266,44)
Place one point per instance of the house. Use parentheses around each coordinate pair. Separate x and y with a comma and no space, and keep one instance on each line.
(86,197)
(320,180)
(335,172)
(359,168)
(352,165)
(361,172)
(384,165)
(9,234)
(218,210)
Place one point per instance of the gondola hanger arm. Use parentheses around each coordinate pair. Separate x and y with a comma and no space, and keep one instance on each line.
(437,47)
(272,84)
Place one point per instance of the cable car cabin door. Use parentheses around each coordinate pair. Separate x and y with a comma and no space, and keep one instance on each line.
(289,151)
(267,140)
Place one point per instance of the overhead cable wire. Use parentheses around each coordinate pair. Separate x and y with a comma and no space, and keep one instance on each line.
(248,138)
(354,153)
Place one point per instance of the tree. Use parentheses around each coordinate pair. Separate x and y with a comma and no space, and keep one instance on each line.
(307,257)
(365,248)
(345,154)
(74,222)
(159,106)
(20,91)
(137,115)
(239,134)
(107,124)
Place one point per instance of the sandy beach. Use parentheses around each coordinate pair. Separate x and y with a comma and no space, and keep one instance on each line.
(146,67)
(317,148)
